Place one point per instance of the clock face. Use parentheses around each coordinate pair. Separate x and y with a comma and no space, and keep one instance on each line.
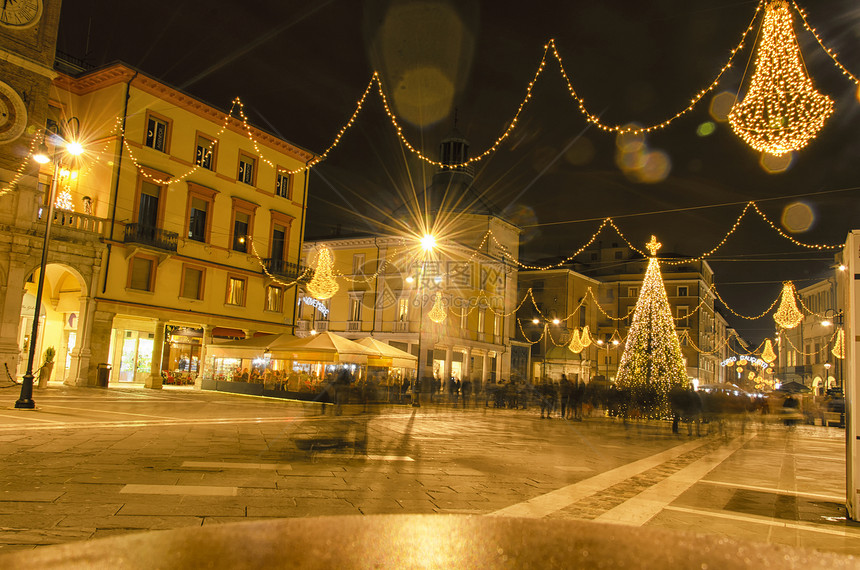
(20,13)
(13,113)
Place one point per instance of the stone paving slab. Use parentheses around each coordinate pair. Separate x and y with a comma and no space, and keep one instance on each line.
(509,457)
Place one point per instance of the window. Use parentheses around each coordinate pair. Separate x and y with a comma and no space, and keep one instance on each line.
(355,308)
(633,291)
(199,206)
(358,264)
(619,254)
(197,219)
(683,312)
(683,291)
(282,187)
(247,169)
(157,132)
(141,273)
(279,237)
(204,155)
(274,298)
(241,224)
(236,291)
(403,309)
(497,325)
(192,283)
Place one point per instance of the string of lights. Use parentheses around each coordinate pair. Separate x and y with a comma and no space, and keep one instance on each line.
(827,50)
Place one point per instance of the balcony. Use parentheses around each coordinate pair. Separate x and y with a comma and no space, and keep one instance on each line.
(401,326)
(283,268)
(353,326)
(74,221)
(151,236)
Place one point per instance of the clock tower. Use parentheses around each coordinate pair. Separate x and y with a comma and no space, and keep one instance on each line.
(28,41)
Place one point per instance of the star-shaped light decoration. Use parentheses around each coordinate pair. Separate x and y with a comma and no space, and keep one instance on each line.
(653,246)
(781,111)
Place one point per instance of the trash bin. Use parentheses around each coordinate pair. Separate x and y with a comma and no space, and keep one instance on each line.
(103,375)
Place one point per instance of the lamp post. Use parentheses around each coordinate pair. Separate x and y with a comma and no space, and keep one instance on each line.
(25,400)
(832,318)
(428,242)
(605,344)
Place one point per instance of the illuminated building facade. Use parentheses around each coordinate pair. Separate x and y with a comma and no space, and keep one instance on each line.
(389,284)
(691,298)
(560,307)
(160,233)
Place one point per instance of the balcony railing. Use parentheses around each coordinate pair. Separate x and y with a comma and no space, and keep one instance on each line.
(353,326)
(75,221)
(151,236)
(283,268)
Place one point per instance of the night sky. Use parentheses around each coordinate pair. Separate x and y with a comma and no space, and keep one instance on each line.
(301,67)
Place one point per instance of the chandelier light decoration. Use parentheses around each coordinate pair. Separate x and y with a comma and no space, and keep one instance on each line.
(437,313)
(788,315)
(323,284)
(781,111)
(585,337)
(768,355)
(575,345)
(839,346)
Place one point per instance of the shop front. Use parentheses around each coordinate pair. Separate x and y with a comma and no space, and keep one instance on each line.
(307,369)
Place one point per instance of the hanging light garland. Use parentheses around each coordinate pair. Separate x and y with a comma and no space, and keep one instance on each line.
(768,355)
(437,313)
(323,284)
(788,315)
(839,346)
(781,110)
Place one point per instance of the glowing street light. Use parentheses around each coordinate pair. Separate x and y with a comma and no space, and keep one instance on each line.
(428,242)
(25,400)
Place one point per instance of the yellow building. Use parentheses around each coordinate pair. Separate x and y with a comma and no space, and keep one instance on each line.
(557,304)
(389,285)
(160,232)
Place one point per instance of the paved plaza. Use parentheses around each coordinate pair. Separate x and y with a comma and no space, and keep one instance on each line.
(92,463)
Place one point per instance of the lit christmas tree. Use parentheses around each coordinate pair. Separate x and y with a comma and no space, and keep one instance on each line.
(652,363)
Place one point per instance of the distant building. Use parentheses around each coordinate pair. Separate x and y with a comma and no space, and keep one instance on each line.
(689,290)
(805,351)
(562,295)
(390,284)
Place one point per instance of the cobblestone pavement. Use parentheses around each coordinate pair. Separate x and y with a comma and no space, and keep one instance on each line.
(90,463)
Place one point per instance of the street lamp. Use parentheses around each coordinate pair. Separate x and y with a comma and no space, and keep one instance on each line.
(428,242)
(25,400)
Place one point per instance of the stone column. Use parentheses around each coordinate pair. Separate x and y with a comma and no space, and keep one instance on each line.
(202,366)
(449,363)
(95,346)
(155,381)
(467,364)
(81,354)
(485,369)
(11,299)
(249,333)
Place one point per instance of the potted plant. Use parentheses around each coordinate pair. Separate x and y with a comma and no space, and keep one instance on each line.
(47,367)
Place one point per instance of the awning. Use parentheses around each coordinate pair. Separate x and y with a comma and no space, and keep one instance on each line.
(391,356)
